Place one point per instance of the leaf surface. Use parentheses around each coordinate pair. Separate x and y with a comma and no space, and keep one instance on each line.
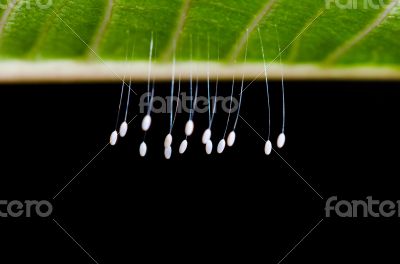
(324,35)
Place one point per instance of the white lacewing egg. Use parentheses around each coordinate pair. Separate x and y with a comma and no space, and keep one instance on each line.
(168,152)
(189,127)
(146,123)
(183,146)
(206,136)
(168,141)
(281,140)
(209,147)
(231,139)
(143,149)
(268,148)
(123,129)
(221,146)
(113,138)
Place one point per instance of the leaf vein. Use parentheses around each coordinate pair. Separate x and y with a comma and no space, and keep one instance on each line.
(6,15)
(343,49)
(169,50)
(240,43)
(98,36)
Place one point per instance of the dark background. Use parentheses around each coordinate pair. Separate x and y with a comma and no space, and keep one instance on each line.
(342,138)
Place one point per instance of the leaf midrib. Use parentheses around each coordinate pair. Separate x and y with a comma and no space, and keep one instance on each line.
(175,36)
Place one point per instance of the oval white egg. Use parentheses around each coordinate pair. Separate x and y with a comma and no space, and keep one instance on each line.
(168,141)
(143,149)
(231,139)
(183,146)
(268,148)
(221,146)
(146,123)
(209,147)
(189,128)
(113,138)
(168,152)
(123,129)
(206,136)
(281,140)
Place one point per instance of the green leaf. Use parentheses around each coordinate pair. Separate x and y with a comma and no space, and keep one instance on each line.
(325,38)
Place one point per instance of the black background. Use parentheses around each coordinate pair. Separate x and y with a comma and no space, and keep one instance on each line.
(342,138)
